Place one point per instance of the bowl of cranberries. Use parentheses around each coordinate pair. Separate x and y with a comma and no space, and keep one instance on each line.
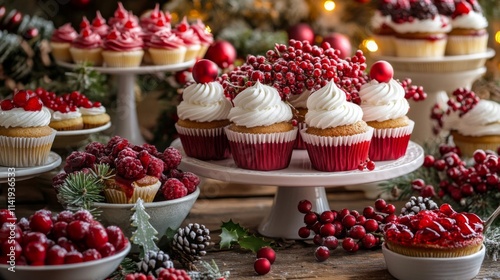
(59,246)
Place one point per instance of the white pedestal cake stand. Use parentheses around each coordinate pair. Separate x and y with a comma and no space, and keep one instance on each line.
(297,182)
(438,76)
(127,124)
(25,173)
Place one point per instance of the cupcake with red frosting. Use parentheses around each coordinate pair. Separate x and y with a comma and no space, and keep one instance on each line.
(150,17)
(87,47)
(121,16)
(99,25)
(122,49)
(206,38)
(131,26)
(60,42)
(166,48)
(190,39)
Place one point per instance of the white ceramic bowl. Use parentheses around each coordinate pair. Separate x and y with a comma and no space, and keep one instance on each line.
(92,270)
(412,268)
(163,214)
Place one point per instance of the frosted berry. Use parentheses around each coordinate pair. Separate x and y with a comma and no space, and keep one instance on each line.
(116,237)
(130,168)
(371,225)
(349,244)
(171,158)
(11,246)
(262,266)
(327,230)
(97,236)
(59,229)
(331,242)
(172,273)
(190,181)
(83,215)
(305,206)
(327,216)
(77,230)
(155,167)
(41,223)
(322,253)
(35,251)
(65,216)
(107,250)
(34,236)
(357,232)
(73,257)
(56,255)
(91,255)
(348,221)
(174,188)
(7,216)
(369,241)
(267,253)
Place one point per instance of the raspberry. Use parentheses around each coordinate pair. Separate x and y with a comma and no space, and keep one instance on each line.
(172,273)
(126,152)
(78,160)
(171,158)
(145,158)
(155,167)
(190,180)
(130,168)
(111,143)
(173,188)
(119,147)
(96,149)
(150,148)
(59,179)
(175,173)
(109,160)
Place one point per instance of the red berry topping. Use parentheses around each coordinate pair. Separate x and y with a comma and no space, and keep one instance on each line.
(20,98)
(461,8)
(7,105)
(173,188)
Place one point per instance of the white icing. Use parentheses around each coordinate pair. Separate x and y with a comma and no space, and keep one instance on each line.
(378,20)
(204,103)
(383,101)
(92,111)
(483,119)
(472,20)
(438,24)
(18,117)
(59,116)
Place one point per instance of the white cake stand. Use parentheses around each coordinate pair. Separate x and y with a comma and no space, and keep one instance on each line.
(438,76)
(297,182)
(127,124)
(75,138)
(25,173)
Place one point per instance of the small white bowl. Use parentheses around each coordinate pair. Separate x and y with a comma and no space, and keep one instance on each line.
(412,268)
(92,270)
(163,214)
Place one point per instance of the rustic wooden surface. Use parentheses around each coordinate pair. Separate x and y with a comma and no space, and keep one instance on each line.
(248,205)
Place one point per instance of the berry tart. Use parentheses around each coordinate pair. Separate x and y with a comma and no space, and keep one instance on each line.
(193,46)
(336,137)
(122,49)
(261,135)
(25,135)
(420,29)
(60,42)
(468,34)
(439,233)
(383,34)
(384,108)
(87,47)
(166,48)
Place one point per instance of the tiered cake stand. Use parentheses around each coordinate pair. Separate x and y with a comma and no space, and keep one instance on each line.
(438,76)
(297,182)
(25,173)
(126,121)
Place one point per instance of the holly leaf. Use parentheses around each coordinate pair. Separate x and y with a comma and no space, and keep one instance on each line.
(227,238)
(253,243)
(232,226)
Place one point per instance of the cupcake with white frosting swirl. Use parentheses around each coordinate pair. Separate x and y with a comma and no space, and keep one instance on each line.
(261,134)
(337,138)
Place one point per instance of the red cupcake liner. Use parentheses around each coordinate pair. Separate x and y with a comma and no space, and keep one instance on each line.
(299,142)
(390,143)
(262,152)
(204,144)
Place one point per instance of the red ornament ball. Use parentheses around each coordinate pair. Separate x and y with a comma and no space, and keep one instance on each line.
(222,53)
(381,71)
(267,253)
(262,266)
(341,42)
(205,71)
(301,32)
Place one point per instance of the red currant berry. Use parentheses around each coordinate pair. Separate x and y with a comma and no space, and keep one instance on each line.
(322,253)
(380,204)
(262,266)
(56,255)
(305,206)
(73,257)
(267,253)
(41,223)
(304,232)
(35,251)
(371,225)
(97,236)
(327,216)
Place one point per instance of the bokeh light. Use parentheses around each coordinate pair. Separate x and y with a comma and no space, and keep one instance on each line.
(329,5)
(370,45)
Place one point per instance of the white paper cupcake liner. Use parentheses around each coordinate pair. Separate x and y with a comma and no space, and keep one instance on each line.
(394,132)
(25,151)
(419,48)
(119,197)
(262,138)
(462,45)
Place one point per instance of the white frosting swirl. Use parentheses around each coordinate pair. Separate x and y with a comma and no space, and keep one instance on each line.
(204,103)
(259,105)
(472,20)
(483,119)
(438,24)
(93,111)
(18,117)
(383,101)
(59,116)
(299,100)
(328,107)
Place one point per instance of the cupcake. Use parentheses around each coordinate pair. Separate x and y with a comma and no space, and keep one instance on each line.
(65,117)
(420,29)
(99,25)
(159,25)
(261,135)
(150,17)
(121,16)
(25,135)
(383,34)
(126,191)
(384,108)
(299,104)
(468,34)
(122,49)
(131,26)
(336,137)
(93,114)
(206,38)
(87,48)
(166,48)
(439,233)
(203,114)
(60,42)
(190,39)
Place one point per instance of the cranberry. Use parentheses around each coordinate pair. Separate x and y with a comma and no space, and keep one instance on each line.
(348,221)
(6,230)
(33,236)
(305,206)
(116,237)
(97,236)
(371,225)
(369,241)
(35,251)
(310,218)
(327,216)
(8,245)
(56,255)
(91,255)
(318,239)
(107,250)
(262,266)
(83,215)
(304,232)
(20,98)
(268,253)
(429,161)
(357,232)
(327,230)
(65,216)
(380,204)
(331,242)
(73,257)
(41,223)
(59,230)
(66,244)
(389,209)
(77,230)
(349,244)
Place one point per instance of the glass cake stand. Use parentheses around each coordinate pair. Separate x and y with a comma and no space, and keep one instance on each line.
(297,182)
(25,173)
(126,122)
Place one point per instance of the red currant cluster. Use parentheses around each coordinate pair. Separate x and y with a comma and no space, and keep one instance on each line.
(463,101)
(358,230)
(462,180)
(133,162)
(412,91)
(297,67)
(265,258)
(164,274)
(368,164)
(65,238)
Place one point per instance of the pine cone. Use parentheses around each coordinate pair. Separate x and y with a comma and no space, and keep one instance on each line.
(153,262)
(417,204)
(192,241)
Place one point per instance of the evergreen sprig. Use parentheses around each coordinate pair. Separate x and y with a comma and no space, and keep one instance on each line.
(127,266)
(88,81)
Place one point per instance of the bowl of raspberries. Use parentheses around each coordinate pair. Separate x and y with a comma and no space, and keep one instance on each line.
(133,172)
(59,246)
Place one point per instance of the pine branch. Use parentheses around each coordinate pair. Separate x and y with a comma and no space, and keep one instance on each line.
(126,266)
(88,81)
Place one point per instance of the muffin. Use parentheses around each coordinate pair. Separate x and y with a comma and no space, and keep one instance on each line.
(299,104)
(60,42)
(206,38)
(261,135)
(122,49)
(190,39)
(439,233)
(25,135)
(123,191)
(87,48)
(468,34)
(203,114)
(384,108)
(99,25)
(336,137)
(383,34)
(420,30)
(166,48)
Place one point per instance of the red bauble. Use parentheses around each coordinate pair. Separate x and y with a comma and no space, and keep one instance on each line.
(381,71)
(301,32)
(205,71)
(341,42)
(262,266)
(267,253)
(222,53)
